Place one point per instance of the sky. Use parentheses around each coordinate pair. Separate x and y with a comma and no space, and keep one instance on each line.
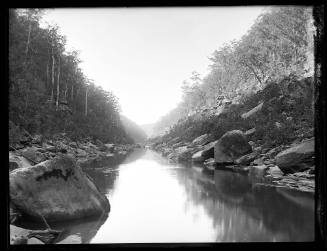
(143,55)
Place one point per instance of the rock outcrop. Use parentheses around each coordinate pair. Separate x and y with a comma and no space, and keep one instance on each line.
(183,153)
(296,158)
(231,146)
(57,190)
(206,153)
(201,140)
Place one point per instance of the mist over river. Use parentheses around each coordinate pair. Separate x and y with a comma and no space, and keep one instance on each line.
(155,201)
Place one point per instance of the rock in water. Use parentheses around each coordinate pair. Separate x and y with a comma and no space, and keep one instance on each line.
(182,153)
(296,158)
(246,159)
(56,189)
(206,153)
(231,146)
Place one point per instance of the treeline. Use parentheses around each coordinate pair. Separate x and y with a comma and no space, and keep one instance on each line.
(278,45)
(48,92)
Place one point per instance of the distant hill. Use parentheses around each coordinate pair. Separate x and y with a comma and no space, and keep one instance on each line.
(133,130)
(148,129)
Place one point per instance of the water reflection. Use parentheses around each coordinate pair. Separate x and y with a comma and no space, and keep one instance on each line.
(153,200)
(85,228)
(243,211)
(157,201)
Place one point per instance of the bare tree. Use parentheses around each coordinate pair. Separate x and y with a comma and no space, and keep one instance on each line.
(58,79)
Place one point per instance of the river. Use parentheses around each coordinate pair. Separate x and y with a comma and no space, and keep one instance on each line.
(155,201)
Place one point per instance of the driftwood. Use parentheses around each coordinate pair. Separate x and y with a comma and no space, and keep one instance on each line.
(47,236)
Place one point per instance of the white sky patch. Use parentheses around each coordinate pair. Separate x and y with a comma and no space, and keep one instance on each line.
(144,54)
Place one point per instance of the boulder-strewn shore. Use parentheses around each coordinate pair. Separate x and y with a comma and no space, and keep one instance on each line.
(286,165)
(33,150)
(47,182)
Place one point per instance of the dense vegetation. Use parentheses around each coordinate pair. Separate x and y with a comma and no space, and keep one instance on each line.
(275,54)
(48,93)
(286,115)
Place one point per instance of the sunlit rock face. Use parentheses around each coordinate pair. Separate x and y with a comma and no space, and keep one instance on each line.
(182,153)
(206,153)
(231,146)
(56,189)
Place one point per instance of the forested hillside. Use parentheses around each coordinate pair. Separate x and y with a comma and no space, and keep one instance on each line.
(48,92)
(278,45)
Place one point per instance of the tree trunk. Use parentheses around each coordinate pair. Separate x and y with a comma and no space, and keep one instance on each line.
(66,89)
(253,71)
(58,77)
(28,41)
(52,76)
(86,101)
(72,93)
(47,78)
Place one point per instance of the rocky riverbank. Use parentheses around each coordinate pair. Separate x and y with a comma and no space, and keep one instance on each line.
(32,150)
(286,165)
(47,182)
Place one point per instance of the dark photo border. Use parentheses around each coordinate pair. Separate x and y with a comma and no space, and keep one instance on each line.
(320,124)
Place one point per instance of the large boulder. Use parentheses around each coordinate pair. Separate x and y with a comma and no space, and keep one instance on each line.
(296,158)
(182,153)
(231,146)
(56,189)
(206,153)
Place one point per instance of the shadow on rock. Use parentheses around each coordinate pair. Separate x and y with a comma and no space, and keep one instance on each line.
(72,232)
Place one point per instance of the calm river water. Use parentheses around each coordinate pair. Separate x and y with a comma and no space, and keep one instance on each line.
(155,201)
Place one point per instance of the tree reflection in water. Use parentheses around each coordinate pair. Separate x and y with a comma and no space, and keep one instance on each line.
(149,195)
(241,210)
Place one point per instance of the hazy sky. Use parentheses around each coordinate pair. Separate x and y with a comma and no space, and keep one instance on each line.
(144,54)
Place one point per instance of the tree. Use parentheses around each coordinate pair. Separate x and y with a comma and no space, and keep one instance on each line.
(40,70)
